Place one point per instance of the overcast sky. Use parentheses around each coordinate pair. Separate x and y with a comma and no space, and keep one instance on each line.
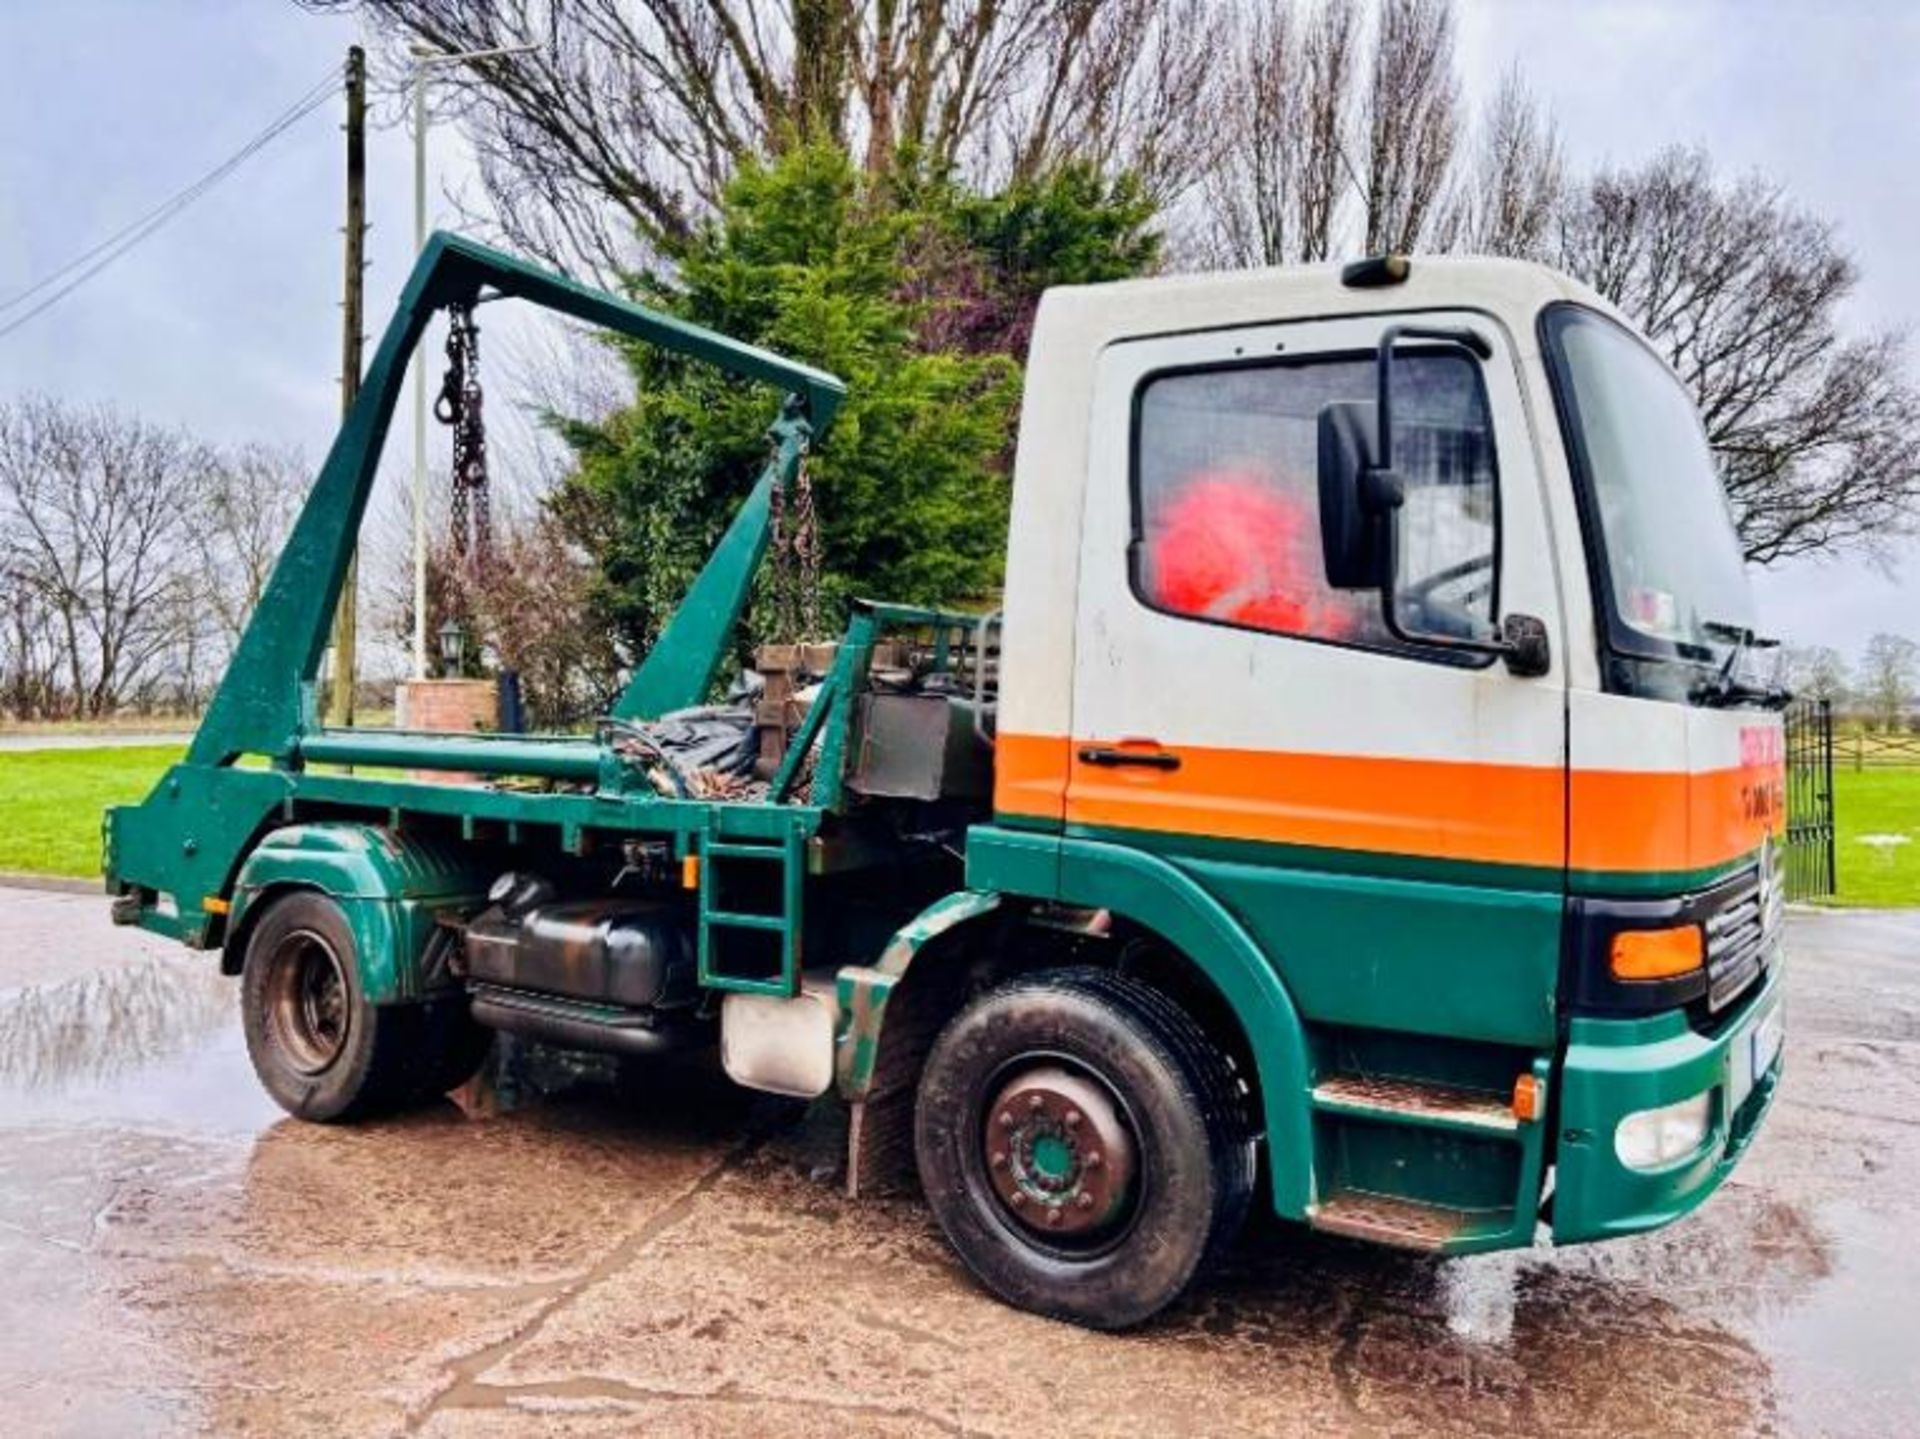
(227,322)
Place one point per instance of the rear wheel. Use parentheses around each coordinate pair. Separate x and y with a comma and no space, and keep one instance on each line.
(1083,1145)
(319,1048)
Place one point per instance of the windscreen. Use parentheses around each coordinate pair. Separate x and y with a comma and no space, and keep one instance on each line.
(1673,562)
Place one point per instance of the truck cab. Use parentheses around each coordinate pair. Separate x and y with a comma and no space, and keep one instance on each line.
(1555,867)
(1364,784)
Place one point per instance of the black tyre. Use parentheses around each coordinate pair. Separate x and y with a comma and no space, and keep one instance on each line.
(319,1048)
(1084,1145)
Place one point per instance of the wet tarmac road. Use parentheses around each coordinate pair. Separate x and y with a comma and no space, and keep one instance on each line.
(176,1256)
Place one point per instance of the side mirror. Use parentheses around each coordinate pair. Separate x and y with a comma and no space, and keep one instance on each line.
(1361,496)
(1359,501)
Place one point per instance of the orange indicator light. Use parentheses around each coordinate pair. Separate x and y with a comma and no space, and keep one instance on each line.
(1656,953)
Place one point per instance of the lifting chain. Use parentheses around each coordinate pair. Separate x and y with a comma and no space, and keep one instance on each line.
(460,406)
(796,560)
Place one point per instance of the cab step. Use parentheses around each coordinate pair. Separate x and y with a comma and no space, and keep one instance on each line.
(1405,1223)
(1412,1101)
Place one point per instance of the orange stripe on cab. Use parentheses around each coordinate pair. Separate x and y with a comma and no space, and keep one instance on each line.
(1463,810)
(1030,775)
(1504,814)
(1628,820)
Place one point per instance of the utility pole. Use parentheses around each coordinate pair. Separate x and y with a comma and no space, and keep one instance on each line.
(346,619)
(419,377)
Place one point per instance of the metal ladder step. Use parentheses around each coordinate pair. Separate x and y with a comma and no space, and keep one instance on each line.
(773,923)
(1412,1101)
(719,966)
(1403,1223)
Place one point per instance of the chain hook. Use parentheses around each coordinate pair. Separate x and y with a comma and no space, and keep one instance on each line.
(461,406)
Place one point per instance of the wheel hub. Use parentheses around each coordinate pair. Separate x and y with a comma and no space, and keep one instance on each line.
(1059,1153)
(309,999)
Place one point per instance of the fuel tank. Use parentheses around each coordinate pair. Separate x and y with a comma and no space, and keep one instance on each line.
(637,954)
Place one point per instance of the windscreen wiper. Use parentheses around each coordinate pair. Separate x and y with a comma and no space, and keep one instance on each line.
(1724,689)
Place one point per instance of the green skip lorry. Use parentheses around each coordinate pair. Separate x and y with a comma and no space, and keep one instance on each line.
(1360,804)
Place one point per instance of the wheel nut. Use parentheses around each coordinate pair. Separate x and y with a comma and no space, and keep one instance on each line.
(1035,1103)
(999,1161)
(1073,1119)
(1094,1160)
(1016,1199)
(1053,1216)
(1006,1119)
(1085,1201)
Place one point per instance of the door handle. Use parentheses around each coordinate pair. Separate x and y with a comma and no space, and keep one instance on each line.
(1113,757)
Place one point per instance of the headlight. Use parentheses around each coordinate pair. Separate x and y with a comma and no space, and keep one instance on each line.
(1655,1137)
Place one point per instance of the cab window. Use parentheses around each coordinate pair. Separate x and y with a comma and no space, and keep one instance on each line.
(1226,498)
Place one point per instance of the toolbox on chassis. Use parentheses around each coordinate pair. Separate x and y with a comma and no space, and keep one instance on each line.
(1365,785)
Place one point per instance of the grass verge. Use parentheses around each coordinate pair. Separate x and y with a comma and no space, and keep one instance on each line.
(51,803)
(1876,818)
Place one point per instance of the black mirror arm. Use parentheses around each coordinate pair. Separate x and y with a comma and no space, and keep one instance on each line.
(1522,639)
(1460,337)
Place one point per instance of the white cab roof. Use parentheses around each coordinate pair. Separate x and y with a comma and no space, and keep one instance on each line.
(1082,319)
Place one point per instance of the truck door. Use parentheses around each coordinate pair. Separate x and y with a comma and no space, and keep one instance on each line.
(1388,821)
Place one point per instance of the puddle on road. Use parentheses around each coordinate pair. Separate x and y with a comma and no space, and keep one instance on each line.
(156,1043)
(107,1021)
(1757,1312)
(1856,1334)
(1494,1343)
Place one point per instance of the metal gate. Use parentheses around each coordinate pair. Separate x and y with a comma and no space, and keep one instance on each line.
(1810,861)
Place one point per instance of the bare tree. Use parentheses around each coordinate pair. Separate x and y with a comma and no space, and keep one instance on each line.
(1330,51)
(1284,98)
(1739,288)
(131,558)
(252,497)
(1508,199)
(1816,672)
(1254,191)
(1889,674)
(1301,143)
(532,609)
(31,674)
(96,507)
(632,114)
(1411,119)
(1742,291)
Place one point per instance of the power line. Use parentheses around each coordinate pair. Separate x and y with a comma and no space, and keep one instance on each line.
(167,208)
(92,261)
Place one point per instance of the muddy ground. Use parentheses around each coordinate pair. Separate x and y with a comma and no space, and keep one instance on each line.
(177,1256)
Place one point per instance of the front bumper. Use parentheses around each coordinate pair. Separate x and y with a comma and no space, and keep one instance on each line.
(1616,1067)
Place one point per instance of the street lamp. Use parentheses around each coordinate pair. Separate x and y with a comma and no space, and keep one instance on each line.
(453,649)
(424,58)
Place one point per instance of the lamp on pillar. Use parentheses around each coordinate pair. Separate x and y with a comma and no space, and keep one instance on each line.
(451,704)
(453,650)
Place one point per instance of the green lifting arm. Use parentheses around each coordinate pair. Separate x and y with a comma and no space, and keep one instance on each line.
(681,664)
(257,709)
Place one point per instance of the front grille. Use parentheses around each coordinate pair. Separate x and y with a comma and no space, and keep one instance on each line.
(1740,933)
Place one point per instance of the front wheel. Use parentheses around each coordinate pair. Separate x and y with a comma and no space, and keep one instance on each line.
(1083,1145)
